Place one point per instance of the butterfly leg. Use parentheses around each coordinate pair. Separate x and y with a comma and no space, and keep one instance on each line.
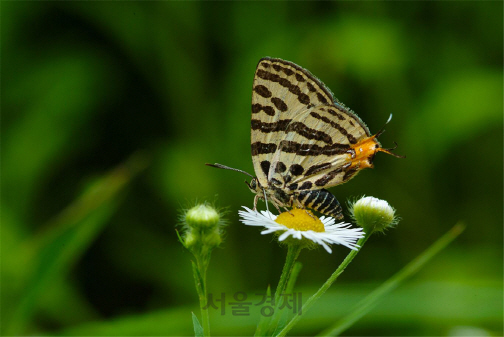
(278,208)
(309,213)
(256,198)
(287,210)
(275,203)
(297,204)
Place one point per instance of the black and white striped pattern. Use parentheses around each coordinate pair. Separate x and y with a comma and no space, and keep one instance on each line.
(302,139)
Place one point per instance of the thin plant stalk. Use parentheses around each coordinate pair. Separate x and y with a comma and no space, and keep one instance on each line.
(364,306)
(201,288)
(341,268)
(292,255)
(293,277)
(202,233)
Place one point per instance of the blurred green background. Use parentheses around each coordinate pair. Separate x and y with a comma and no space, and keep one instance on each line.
(111,109)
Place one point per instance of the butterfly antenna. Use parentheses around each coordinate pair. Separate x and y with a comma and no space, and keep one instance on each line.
(228,168)
(388,151)
(382,130)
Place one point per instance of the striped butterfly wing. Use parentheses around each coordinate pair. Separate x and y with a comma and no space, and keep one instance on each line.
(300,135)
(318,142)
(281,91)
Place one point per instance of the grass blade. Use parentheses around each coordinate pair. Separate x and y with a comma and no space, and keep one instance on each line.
(65,238)
(372,299)
(198,329)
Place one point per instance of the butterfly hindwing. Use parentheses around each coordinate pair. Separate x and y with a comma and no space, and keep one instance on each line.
(314,148)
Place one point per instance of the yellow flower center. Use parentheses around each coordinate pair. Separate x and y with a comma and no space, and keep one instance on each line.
(301,220)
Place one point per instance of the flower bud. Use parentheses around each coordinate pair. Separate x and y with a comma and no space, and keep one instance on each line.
(213,239)
(202,216)
(189,239)
(202,230)
(373,214)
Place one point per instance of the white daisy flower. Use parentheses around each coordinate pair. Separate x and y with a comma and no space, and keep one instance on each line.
(298,224)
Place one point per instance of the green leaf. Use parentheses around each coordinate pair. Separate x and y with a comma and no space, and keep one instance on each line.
(198,329)
(263,324)
(53,251)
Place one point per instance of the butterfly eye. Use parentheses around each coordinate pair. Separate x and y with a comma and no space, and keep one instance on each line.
(253,184)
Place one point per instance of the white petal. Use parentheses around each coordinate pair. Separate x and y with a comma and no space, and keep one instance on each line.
(284,236)
(268,231)
(326,247)
(335,233)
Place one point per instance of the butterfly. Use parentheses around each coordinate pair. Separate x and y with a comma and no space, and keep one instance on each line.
(303,140)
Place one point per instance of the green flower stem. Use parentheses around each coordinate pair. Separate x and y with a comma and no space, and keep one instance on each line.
(364,306)
(202,233)
(293,277)
(292,254)
(341,268)
(199,272)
